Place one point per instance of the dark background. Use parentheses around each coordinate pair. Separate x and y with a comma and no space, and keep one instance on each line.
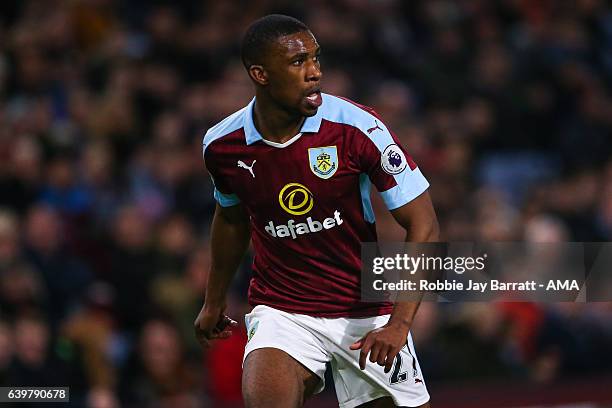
(105,203)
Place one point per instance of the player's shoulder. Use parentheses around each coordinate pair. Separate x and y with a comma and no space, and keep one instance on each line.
(342,110)
(226,127)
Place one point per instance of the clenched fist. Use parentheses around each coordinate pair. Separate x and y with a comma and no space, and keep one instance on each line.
(212,324)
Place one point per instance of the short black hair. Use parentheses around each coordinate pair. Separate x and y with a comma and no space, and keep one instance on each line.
(264,32)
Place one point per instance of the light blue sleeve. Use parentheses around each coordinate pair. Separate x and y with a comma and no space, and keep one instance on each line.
(226,200)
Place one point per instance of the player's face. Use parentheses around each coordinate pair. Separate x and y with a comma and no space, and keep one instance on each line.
(294,73)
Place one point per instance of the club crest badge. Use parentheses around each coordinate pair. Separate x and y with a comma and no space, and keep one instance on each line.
(323,161)
(252,330)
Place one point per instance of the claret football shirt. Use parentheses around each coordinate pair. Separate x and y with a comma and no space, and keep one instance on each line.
(309,202)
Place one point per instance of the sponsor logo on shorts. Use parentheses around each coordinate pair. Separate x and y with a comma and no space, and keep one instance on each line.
(393,160)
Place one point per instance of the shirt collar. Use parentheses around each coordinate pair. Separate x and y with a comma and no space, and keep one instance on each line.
(252,135)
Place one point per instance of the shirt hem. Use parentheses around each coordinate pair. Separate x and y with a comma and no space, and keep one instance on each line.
(368,312)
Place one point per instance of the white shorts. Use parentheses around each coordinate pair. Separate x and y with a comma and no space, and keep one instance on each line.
(315,341)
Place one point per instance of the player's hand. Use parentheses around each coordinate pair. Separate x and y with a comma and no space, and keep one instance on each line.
(212,324)
(382,345)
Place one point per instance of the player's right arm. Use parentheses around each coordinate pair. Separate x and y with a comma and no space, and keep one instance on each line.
(230,236)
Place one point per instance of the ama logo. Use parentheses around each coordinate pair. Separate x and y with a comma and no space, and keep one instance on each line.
(393,160)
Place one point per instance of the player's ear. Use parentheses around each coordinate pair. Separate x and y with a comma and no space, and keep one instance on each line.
(258,74)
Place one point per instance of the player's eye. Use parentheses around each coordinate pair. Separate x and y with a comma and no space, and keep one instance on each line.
(298,62)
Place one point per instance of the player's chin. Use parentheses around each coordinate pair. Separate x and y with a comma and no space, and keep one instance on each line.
(309,112)
(307,109)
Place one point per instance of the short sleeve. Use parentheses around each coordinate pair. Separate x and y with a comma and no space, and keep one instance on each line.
(222,193)
(389,166)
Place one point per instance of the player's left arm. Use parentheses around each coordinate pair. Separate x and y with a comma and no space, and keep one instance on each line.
(383,344)
(418,218)
(404,190)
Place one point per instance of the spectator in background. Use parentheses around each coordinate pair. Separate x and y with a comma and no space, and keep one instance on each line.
(97,170)
(61,190)
(20,172)
(37,363)
(160,374)
(6,350)
(132,267)
(21,290)
(91,330)
(176,289)
(102,398)
(9,238)
(63,275)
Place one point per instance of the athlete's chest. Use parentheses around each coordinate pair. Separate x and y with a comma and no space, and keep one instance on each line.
(313,165)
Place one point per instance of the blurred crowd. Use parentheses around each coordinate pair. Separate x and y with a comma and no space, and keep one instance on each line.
(105,204)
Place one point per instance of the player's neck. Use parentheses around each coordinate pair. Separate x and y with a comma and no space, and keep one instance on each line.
(275,124)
